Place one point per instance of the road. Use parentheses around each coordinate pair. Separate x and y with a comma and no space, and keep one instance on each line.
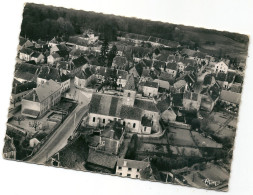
(60,137)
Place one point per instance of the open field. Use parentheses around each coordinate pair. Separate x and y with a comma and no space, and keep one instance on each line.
(205,142)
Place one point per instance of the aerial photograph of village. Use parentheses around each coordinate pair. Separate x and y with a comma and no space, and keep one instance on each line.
(125,96)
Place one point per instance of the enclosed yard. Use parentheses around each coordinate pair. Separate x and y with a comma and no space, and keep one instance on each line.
(180,137)
(205,142)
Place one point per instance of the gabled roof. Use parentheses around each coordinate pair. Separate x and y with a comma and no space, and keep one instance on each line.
(171,66)
(208,79)
(43,91)
(25,71)
(130,84)
(159,64)
(84,74)
(163,105)
(78,62)
(230,96)
(102,159)
(128,112)
(221,76)
(238,79)
(113,130)
(162,84)
(27,51)
(55,55)
(189,68)
(36,54)
(48,73)
(214,91)
(191,96)
(132,163)
(179,84)
(151,84)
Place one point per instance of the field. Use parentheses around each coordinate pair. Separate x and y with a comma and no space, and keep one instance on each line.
(185,151)
(205,142)
(180,137)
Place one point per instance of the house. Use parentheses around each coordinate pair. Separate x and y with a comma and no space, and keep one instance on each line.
(41,99)
(47,73)
(120,62)
(180,86)
(131,168)
(24,43)
(221,67)
(150,88)
(77,65)
(53,58)
(58,48)
(20,90)
(225,80)
(25,72)
(210,95)
(38,57)
(25,54)
(163,86)
(127,108)
(79,43)
(110,138)
(9,150)
(177,100)
(209,80)
(166,111)
(101,161)
(189,69)
(191,100)
(122,77)
(83,78)
(171,68)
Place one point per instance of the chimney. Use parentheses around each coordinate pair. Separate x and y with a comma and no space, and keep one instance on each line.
(48,70)
(34,97)
(125,163)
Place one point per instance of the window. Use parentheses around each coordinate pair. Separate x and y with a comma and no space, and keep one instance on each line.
(137,176)
(129,94)
(129,169)
(145,128)
(128,175)
(120,174)
(94,119)
(120,168)
(124,123)
(134,125)
(138,170)
(103,120)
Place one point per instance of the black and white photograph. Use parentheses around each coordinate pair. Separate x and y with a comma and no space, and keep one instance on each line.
(125,96)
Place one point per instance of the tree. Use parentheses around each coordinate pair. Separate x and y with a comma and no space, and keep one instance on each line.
(35,124)
(112,53)
(103,53)
(19,119)
(132,147)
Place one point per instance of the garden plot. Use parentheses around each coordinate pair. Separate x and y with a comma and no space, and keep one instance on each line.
(180,137)
(185,151)
(205,142)
(145,147)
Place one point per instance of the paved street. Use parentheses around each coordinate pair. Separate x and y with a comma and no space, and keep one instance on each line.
(59,139)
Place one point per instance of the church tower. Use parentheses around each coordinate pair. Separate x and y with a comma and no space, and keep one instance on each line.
(129,91)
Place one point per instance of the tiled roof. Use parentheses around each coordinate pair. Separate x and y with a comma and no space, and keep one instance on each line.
(208,79)
(163,105)
(230,96)
(25,71)
(179,84)
(84,74)
(221,76)
(159,64)
(132,163)
(113,130)
(162,84)
(43,91)
(189,68)
(128,112)
(27,51)
(171,66)
(102,159)
(230,77)
(151,84)
(190,96)
(238,78)
(145,105)
(78,62)
(177,99)
(23,87)
(48,73)
(36,54)
(130,85)
(214,91)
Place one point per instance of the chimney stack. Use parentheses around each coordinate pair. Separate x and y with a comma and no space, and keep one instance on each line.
(34,97)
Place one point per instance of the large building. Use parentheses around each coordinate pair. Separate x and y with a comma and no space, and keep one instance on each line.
(127,109)
(41,99)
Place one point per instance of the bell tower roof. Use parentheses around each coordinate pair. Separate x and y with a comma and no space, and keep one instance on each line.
(130,85)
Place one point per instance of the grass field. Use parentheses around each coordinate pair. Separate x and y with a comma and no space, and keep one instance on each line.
(180,137)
